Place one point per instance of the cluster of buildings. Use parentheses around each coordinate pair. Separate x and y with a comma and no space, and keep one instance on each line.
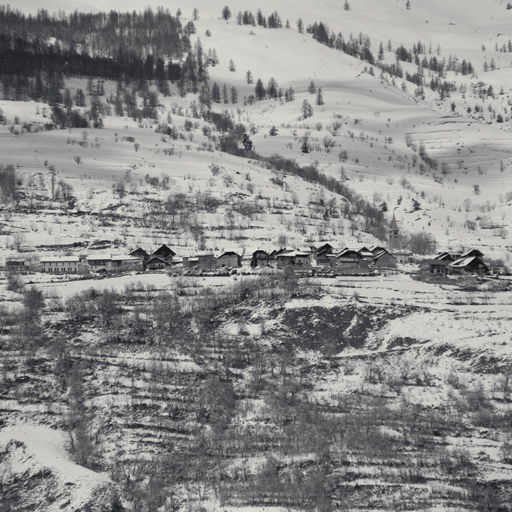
(446,263)
(326,256)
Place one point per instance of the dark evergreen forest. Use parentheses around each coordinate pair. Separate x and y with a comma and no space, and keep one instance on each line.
(38,52)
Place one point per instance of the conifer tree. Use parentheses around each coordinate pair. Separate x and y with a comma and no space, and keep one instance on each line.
(234,95)
(306,109)
(226,13)
(259,90)
(248,77)
(312,88)
(319,97)
(225,96)
(272,88)
(215,93)
(205,95)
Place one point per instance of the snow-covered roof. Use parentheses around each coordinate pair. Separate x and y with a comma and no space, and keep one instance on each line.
(293,254)
(228,253)
(463,262)
(347,252)
(124,257)
(383,253)
(59,259)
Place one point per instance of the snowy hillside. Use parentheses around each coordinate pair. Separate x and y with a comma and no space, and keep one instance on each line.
(263,389)
(368,130)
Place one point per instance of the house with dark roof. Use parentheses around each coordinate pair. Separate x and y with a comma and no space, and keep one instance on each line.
(472,262)
(259,258)
(322,254)
(444,256)
(276,252)
(156,263)
(164,252)
(346,258)
(139,253)
(384,259)
(229,259)
(438,266)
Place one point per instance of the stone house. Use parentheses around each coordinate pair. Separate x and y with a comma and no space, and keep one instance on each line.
(229,259)
(297,258)
(259,258)
(64,264)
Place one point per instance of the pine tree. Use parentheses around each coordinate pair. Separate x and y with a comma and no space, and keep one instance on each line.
(306,109)
(205,95)
(259,90)
(346,6)
(68,100)
(312,88)
(215,93)
(380,55)
(319,97)
(248,77)
(225,96)
(195,14)
(226,13)
(234,95)
(232,65)
(272,88)
(90,86)
(300,26)
(80,98)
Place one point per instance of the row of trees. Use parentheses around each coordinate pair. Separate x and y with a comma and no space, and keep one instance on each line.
(247,18)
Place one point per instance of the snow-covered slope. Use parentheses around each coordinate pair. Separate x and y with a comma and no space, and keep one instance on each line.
(36,454)
(467,205)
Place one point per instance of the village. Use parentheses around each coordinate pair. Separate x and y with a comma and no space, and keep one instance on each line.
(360,260)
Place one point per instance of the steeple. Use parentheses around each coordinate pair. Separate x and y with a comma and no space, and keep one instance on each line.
(393,224)
(394,241)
